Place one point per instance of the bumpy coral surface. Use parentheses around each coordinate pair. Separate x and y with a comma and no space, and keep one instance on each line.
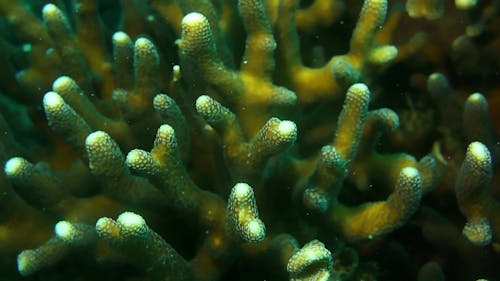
(249,140)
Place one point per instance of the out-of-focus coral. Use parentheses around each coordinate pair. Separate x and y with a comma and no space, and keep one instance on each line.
(209,140)
(429,9)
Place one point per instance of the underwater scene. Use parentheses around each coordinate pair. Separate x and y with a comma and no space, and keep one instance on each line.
(252,140)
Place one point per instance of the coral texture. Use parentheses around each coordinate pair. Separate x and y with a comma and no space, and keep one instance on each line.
(215,140)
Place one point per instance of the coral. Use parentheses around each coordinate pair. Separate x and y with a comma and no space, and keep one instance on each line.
(222,135)
(431,10)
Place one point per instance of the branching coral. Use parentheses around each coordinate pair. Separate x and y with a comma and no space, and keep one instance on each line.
(219,171)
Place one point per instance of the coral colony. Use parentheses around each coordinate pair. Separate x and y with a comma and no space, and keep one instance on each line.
(249,140)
